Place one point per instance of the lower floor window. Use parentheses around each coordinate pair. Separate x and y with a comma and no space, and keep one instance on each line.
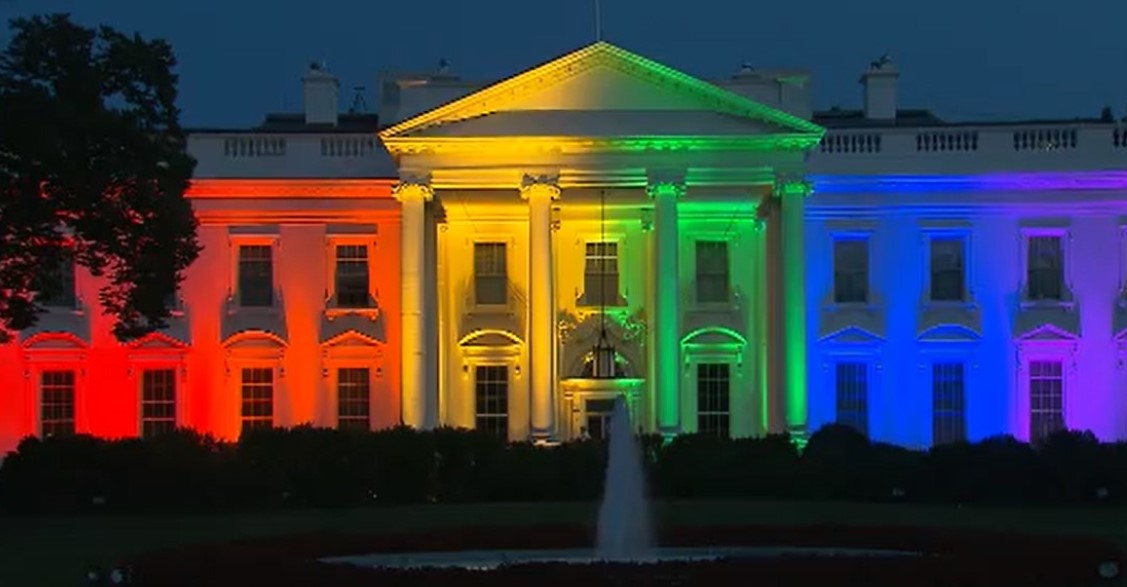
(948,398)
(353,399)
(158,401)
(1046,399)
(851,390)
(491,398)
(56,396)
(257,389)
(714,399)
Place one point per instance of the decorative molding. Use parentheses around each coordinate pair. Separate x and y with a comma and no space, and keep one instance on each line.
(565,145)
(538,186)
(319,189)
(413,188)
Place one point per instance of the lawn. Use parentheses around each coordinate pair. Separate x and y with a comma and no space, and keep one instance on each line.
(49,552)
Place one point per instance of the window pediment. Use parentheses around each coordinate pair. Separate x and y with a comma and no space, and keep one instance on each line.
(852,335)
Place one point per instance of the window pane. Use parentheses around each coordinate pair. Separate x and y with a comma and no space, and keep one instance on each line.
(257,397)
(714,399)
(256,276)
(1046,399)
(59,291)
(851,271)
(351,276)
(354,399)
(947,270)
(1045,268)
(600,277)
(490,274)
(948,419)
(491,398)
(852,393)
(56,403)
(158,401)
(712,271)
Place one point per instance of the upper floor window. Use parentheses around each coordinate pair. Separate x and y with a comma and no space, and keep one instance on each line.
(948,269)
(490,274)
(59,286)
(851,270)
(158,401)
(712,271)
(257,391)
(56,402)
(256,276)
(1045,268)
(351,276)
(600,274)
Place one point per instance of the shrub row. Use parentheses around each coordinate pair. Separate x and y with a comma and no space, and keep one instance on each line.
(308,467)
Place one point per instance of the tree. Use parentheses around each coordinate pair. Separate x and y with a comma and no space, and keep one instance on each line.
(93,167)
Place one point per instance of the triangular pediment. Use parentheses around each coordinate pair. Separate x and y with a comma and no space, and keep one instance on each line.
(351,339)
(601,90)
(1048,333)
(158,341)
(852,336)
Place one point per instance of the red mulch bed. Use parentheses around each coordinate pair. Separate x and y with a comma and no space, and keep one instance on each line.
(952,558)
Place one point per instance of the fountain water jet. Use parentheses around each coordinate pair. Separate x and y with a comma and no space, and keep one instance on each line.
(624,531)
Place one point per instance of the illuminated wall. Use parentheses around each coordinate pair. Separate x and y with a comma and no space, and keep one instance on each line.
(210,339)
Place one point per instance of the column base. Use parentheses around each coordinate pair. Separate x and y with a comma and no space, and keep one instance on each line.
(798,436)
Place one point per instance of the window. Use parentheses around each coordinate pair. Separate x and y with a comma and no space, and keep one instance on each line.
(948,273)
(851,271)
(600,275)
(1046,399)
(712,271)
(351,276)
(713,398)
(258,397)
(851,385)
(56,397)
(599,412)
(353,398)
(491,395)
(158,402)
(1045,268)
(948,396)
(59,290)
(490,274)
(256,276)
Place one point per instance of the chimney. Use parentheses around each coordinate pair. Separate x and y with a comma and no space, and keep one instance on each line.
(319,89)
(880,89)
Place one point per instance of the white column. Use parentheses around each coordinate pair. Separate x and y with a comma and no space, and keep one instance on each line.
(413,197)
(793,194)
(667,308)
(540,192)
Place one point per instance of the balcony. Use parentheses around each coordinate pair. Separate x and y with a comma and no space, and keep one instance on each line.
(508,316)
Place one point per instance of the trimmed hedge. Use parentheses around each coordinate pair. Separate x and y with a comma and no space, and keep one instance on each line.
(309,467)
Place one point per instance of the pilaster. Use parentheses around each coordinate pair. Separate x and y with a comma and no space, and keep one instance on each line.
(540,191)
(417,394)
(665,190)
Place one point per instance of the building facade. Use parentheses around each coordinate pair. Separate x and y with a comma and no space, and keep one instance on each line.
(512,256)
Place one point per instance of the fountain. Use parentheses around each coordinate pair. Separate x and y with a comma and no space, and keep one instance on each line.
(624,531)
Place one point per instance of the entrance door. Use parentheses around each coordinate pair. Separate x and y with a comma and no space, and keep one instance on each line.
(598,413)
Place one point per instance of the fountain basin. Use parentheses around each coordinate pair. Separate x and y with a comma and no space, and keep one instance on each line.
(488,560)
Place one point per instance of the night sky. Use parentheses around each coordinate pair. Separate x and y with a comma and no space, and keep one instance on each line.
(965,59)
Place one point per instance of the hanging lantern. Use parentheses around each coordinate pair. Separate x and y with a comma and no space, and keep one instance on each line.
(604,359)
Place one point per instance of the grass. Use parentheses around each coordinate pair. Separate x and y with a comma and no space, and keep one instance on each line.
(55,551)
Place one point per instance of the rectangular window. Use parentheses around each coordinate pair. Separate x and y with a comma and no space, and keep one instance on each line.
(491,395)
(713,399)
(354,399)
(1046,399)
(600,274)
(158,401)
(56,400)
(256,276)
(1045,268)
(490,274)
(712,271)
(599,412)
(851,271)
(948,272)
(948,397)
(258,397)
(59,290)
(351,276)
(851,384)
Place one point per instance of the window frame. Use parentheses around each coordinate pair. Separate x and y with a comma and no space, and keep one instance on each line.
(54,358)
(964,400)
(334,240)
(621,251)
(1064,233)
(254,236)
(507,243)
(509,385)
(178,380)
(253,365)
(866,236)
(1029,351)
(732,376)
(963,235)
(729,294)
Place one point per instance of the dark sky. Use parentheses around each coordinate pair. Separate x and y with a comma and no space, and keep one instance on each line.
(966,59)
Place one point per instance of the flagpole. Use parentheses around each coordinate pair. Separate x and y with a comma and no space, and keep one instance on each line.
(598,22)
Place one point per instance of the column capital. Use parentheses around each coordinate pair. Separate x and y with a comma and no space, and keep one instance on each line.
(539,185)
(792,185)
(410,187)
(665,183)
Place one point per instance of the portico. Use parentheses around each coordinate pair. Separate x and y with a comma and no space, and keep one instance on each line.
(603,189)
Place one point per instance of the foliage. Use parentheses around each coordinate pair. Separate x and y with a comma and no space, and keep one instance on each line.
(314,467)
(93,166)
